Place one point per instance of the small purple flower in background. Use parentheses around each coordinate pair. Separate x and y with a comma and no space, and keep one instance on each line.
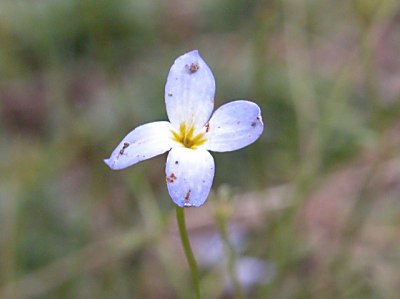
(190,133)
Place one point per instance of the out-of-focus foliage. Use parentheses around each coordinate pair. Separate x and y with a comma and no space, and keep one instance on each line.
(313,205)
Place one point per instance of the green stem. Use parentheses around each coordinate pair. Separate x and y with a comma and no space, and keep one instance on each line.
(180,217)
(222,224)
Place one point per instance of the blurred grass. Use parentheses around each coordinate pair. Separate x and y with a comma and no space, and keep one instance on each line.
(76,76)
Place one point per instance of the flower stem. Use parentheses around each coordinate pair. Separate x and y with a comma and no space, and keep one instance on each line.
(180,217)
(222,214)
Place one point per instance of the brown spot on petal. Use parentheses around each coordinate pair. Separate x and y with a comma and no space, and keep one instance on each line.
(253,124)
(187,196)
(171,178)
(207,127)
(170,94)
(194,67)
(121,152)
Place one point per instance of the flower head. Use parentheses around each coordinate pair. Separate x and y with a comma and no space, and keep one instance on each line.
(191,132)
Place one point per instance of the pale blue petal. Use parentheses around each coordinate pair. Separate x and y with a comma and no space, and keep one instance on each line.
(189,91)
(144,142)
(233,126)
(189,176)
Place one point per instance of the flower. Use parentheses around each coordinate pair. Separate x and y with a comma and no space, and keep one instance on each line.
(190,133)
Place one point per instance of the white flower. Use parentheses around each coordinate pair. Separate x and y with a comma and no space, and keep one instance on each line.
(190,132)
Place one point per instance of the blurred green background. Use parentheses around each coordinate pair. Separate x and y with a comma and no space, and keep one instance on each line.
(314,203)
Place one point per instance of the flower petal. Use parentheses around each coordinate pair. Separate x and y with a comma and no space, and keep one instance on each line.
(144,142)
(189,91)
(189,176)
(233,126)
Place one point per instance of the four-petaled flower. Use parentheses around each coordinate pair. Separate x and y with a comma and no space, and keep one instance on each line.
(190,132)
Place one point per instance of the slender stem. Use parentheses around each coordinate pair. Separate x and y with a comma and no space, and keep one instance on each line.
(222,224)
(180,217)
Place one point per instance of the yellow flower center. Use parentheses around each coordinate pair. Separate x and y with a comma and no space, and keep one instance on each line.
(186,136)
